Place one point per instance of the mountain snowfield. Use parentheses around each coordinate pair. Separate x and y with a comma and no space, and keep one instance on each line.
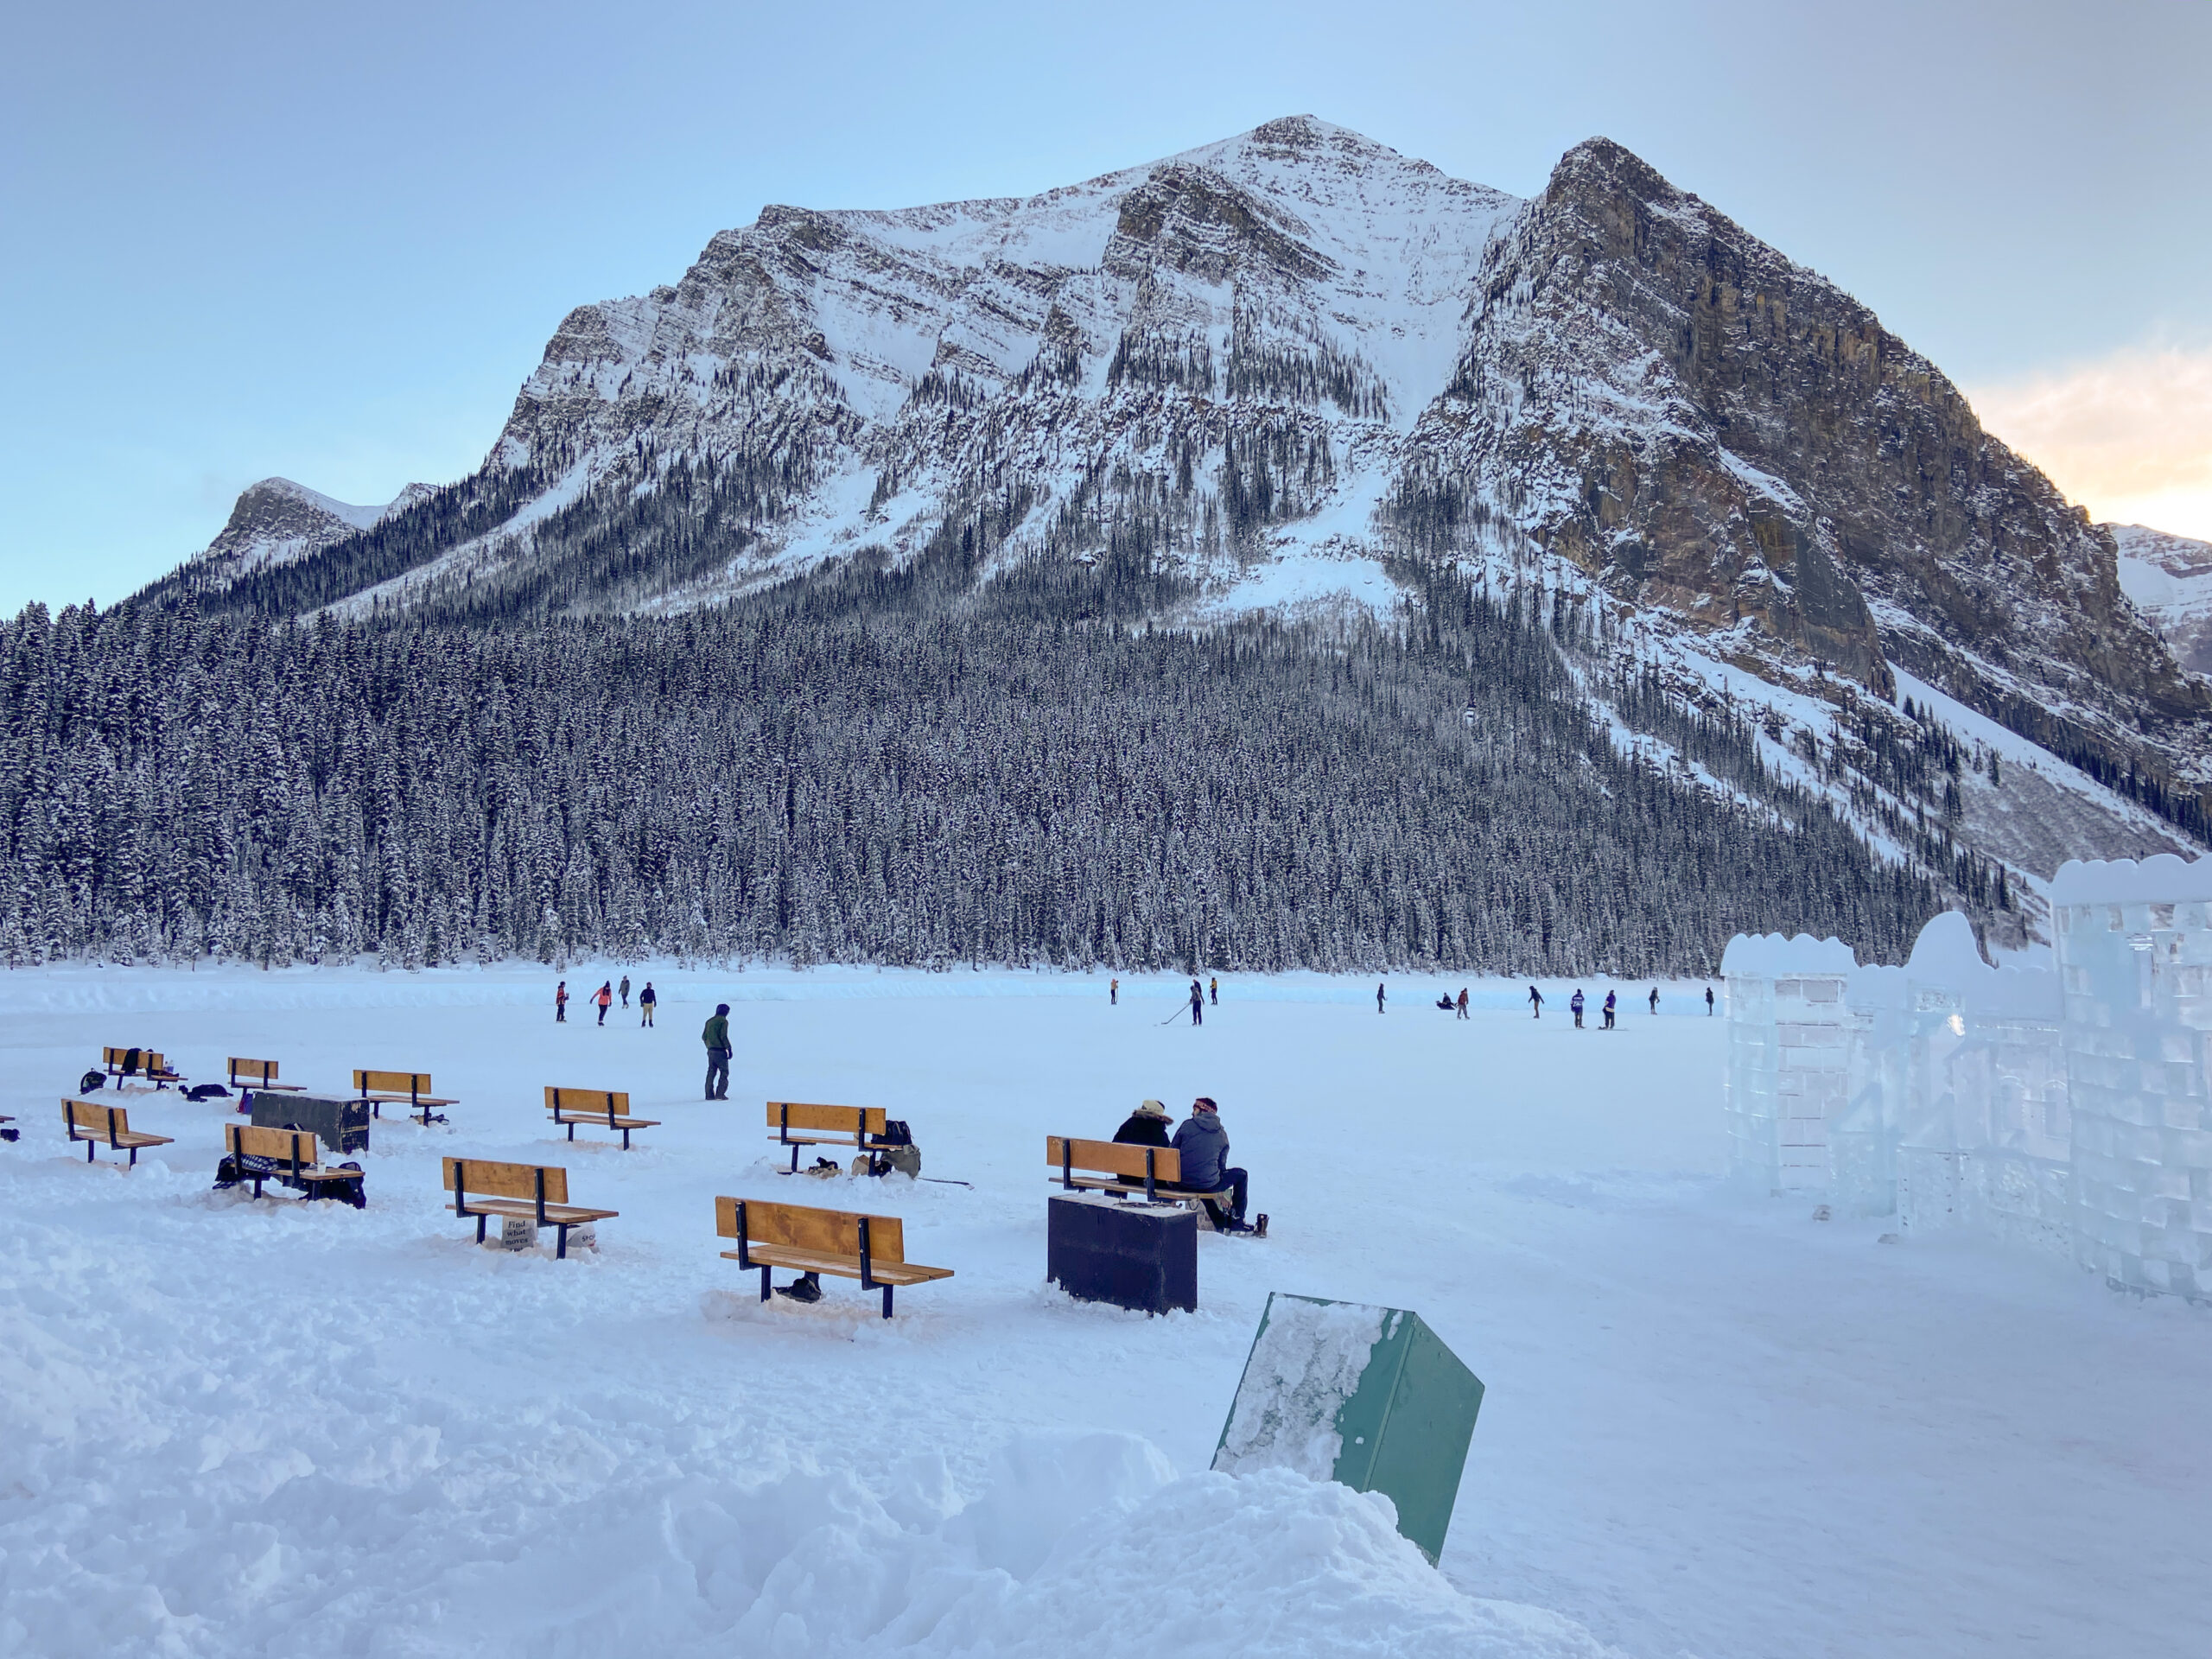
(1714,1424)
(1263,375)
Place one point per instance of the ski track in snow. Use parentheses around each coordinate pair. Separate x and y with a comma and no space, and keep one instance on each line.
(1713,1426)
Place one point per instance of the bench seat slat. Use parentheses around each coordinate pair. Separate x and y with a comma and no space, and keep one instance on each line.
(528,1211)
(848,1267)
(563,1115)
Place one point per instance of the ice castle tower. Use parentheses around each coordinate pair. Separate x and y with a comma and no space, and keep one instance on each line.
(1788,1051)
(2134,943)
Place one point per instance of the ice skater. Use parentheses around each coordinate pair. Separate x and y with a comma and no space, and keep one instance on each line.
(647,1000)
(1379,999)
(1114,994)
(1574,1007)
(1655,998)
(1609,1010)
(605,997)
(1536,1003)
(626,991)
(715,1035)
(1213,992)
(1463,1002)
(561,1004)
(1197,1004)
(1708,1002)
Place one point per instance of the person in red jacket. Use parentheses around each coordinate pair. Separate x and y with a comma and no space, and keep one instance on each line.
(561,1004)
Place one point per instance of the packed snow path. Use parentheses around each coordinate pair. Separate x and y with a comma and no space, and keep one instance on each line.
(1714,1424)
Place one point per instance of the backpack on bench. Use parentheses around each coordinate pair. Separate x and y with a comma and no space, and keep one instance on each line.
(895,1150)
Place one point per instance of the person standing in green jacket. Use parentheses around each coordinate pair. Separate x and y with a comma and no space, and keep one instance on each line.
(715,1036)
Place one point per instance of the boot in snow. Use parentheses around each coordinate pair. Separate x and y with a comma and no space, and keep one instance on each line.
(807,1288)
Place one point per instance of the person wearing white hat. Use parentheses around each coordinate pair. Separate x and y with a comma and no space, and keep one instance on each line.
(1146,1127)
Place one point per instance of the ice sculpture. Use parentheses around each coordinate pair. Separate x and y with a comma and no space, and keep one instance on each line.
(2134,945)
(1788,1033)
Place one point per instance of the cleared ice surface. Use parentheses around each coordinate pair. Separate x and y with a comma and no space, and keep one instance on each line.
(1788,1049)
(1304,1366)
(2134,944)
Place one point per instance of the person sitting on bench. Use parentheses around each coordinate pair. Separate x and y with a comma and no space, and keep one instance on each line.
(1146,1127)
(1204,1145)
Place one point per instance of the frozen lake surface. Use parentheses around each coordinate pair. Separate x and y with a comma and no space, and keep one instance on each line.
(1715,1425)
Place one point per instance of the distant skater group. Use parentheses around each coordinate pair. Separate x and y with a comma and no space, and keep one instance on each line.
(604,998)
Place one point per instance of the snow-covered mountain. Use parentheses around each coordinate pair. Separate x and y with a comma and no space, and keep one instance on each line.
(1283,370)
(2170,579)
(277,521)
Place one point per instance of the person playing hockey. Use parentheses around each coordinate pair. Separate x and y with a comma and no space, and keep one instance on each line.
(1574,1006)
(1197,1004)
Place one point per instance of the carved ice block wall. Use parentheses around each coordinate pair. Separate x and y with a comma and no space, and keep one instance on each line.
(2134,943)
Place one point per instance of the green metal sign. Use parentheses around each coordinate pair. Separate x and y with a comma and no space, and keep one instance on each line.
(1368,1396)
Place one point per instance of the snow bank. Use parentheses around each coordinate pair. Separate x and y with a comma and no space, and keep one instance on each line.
(1772,955)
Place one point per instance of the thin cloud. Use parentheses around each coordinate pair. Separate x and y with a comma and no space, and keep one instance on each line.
(2128,436)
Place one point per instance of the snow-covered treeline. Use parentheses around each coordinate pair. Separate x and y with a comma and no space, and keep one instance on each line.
(844,776)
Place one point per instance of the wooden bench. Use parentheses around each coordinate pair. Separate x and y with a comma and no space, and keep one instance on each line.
(258,1154)
(533,1193)
(98,1126)
(1116,1167)
(871,1249)
(824,1126)
(604,1107)
(258,1074)
(409,1089)
(138,1062)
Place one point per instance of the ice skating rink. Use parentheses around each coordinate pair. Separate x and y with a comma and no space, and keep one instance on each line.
(1715,1425)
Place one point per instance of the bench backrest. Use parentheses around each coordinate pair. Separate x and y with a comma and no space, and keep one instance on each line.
(261,1071)
(1112,1158)
(295,1146)
(488,1180)
(410,1084)
(96,1119)
(149,1061)
(789,1114)
(599,1103)
(797,1226)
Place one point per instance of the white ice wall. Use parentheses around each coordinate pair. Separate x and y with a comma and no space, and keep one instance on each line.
(1788,1046)
(2134,945)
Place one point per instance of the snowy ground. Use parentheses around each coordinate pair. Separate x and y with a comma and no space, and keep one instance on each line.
(1713,1426)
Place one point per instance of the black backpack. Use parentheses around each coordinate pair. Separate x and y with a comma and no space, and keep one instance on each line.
(895,1134)
(91,1081)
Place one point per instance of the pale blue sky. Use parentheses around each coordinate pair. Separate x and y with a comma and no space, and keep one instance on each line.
(329,243)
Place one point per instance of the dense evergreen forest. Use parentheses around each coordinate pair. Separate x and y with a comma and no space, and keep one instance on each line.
(848,769)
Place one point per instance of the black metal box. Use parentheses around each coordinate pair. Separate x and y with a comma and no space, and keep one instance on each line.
(1135,1255)
(340,1125)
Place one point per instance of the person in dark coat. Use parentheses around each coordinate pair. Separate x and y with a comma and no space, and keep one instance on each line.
(1655,998)
(1574,1004)
(1708,1002)
(1536,1003)
(1204,1145)
(647,999)
(1144,1126)
(715,1035)
(624,988)
(1610,1006)
(1197,1004)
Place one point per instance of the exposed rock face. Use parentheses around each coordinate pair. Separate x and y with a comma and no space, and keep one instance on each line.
(1707,427)
(2170,579)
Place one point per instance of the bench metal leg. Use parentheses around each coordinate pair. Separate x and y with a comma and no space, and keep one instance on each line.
(887,1301)
(794,1160)
(626,1140)
(572,1131)
(90,1148)
(561,1243)
(480,1229)
(134,1157)
(764,1284)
